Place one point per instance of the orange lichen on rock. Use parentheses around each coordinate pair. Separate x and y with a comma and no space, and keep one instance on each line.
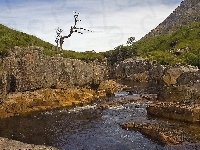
(26,102)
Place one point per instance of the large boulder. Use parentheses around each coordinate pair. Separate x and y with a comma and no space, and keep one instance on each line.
(182,94)
(189,78)
(185,88)
(156,74)
(171,74)
(132,69)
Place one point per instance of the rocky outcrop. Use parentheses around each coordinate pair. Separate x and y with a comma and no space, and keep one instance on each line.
(186,13)
(7,144)
(182,94)
(178,84)
(31,81)
(176,111)
(132,69)
(43,99)
(29,69)
(155,131)
(181,100)
(19,103)
(143,70)
(189,78)
(171,74)
(169,133)
(185,89)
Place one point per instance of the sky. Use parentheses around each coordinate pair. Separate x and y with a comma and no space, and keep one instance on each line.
(112,21)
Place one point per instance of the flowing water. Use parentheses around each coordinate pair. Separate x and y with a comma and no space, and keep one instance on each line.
(86,128)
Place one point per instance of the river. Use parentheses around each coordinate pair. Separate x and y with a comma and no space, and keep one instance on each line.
(87,128)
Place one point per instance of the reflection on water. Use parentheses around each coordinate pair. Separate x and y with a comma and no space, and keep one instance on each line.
(82,128)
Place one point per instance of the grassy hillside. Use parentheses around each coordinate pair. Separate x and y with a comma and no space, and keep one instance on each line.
(10,38)
(181,46)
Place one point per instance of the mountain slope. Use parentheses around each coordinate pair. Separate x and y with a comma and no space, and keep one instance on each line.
(180,46)
(175,40)
(186,13)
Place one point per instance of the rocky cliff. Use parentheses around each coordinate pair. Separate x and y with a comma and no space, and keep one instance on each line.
(28,69)
(186,13)
(143,70)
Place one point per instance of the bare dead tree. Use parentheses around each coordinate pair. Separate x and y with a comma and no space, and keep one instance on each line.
(58,32)
(60,39)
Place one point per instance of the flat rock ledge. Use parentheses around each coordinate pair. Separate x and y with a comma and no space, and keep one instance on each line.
(27,102)
(22,103)
(7,144)
(175,111)
(158,132)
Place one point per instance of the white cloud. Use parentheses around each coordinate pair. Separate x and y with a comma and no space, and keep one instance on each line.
(112,21)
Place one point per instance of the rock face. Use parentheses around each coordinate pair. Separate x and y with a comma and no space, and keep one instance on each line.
(4,84)
(143,70)
(132,69)
(186,13)
(172,74)
(29,69)
(186,89)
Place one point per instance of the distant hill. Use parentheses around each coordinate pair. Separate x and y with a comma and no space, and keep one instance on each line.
(10,38)
(186,13)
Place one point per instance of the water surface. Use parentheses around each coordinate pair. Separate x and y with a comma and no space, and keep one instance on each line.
(86,127)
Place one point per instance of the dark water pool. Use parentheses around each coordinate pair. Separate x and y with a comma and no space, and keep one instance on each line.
(83,128)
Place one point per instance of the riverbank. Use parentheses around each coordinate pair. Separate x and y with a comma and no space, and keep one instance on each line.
(44,99)
(24,103)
